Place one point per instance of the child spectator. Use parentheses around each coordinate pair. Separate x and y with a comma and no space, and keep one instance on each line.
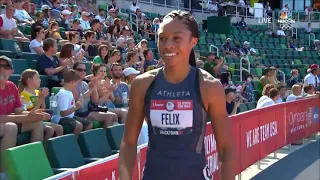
(66,105)
(35,99)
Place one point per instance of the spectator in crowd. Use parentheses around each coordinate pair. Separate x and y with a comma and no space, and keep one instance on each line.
(308,13)
(308,29)
(112,35)
(213,6)
(104,94)
(116,71)
(111,16)
(84,21)
(114,5)
(213,64)
(133,61)
(129,74)
(268,9)
(36,43)
(308,90)
(296,93)
(134,7)
(232,102)
(101,16)
(54,31)
(274,95)
(89,46)
(75,12)
(73,37)
(13,119)
(242,24)
(45,9)
(103,55)
(294,79)
(265,79)
(282,93)
(252,56)
(22,15)
(131,43)
(29,7)
(40,21)
(285,8)
(265,92)
(49,65)
(65,19)
(76,27)
(67,106)
(149,61)
(247,88)
(291,44)
(67,54)
(237,50)
(281,33)
(8,27)
(35,99)
(225,80)
(246,47)
(121,45)
(226,48)
(83,92)
(156,24)
(312,76)
(142,46)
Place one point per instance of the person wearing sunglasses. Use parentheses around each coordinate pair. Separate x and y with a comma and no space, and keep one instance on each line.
(13,118)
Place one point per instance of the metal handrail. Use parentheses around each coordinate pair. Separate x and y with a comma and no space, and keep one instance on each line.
(284,75)
(137,21)
(213,46)
(294,31)
(314,38)
(242,68)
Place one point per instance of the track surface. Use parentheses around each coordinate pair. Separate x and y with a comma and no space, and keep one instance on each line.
(303,164)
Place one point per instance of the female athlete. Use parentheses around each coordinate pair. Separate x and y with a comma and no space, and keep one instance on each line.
(175,101)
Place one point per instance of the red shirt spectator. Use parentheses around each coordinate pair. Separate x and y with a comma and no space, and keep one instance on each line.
(9,99)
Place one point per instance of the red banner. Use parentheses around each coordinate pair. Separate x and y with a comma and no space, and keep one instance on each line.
(256,134)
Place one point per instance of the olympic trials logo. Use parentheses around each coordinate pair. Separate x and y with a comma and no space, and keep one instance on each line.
(170,106)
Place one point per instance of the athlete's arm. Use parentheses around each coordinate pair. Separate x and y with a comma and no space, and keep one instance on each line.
(128,149)
(214,100)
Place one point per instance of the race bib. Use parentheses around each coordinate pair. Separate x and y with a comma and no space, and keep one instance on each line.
(171,117)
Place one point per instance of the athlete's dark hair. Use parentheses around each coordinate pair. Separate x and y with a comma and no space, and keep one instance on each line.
(191,24)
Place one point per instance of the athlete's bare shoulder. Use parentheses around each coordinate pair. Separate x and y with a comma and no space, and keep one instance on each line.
(144,80)
(208,79)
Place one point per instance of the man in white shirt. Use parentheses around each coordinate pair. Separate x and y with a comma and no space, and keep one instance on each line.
(312,77)
(281,33)
(84,21)
(134,7)
(296,93)
(285,8)
(8,28)
(308,28)
(273,97)
(22,15)
(265,92)
(101,16)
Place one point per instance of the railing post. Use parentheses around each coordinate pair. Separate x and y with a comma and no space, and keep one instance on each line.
(275,154)
(213,46)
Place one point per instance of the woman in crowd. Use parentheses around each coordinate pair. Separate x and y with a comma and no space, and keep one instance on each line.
(112,34)
(103,55)
(35,99)
(74,38)
(142,46)
(36,42)
(104,94)
(83,93)
(67,53)
(247,88)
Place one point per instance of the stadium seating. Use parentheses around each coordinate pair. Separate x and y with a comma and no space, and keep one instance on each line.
(27,162)
(94,144)
(114,134)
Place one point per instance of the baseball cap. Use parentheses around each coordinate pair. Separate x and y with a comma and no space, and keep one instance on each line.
(129,70)
(8,60)
(229,39)
(229,90)
(44,7)
(84,13)
(66,12)
(253,50)
(312,67)
(120,40)
(246,43)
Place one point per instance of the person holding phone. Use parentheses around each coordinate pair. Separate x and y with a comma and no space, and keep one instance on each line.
(232,101)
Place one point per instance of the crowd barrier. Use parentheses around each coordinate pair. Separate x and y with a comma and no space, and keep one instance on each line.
(256,133)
